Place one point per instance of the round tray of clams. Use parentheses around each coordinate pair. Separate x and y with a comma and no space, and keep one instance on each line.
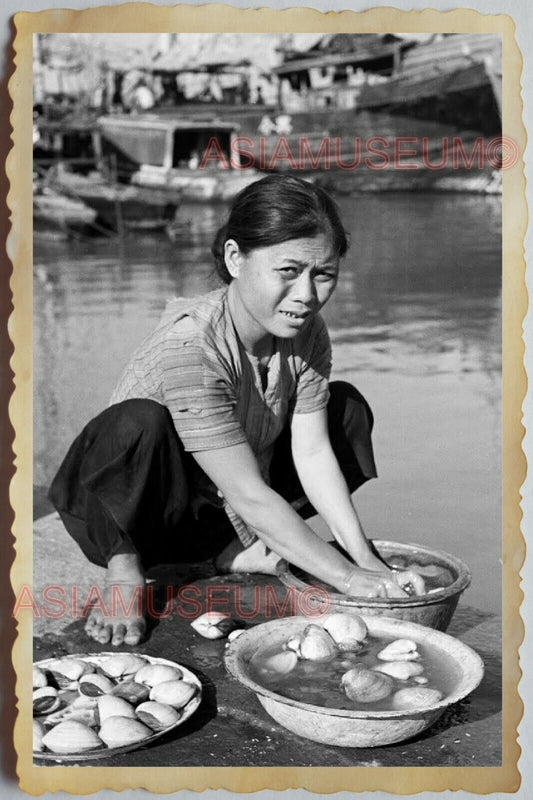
(97,705)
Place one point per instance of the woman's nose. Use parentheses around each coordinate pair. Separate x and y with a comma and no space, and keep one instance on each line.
(304,289)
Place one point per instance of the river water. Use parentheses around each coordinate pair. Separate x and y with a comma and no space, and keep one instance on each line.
(415,324)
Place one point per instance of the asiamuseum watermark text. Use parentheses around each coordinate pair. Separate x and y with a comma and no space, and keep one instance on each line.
(373,152)
(160,602)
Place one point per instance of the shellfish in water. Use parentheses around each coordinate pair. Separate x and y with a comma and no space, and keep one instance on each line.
(279,663)
(119,731)
(365,685)
(348,631)
(153,674)
(400,650)
(174,693)
(316,644)
(403,670)
(415,697)
(71,737)
(157,716)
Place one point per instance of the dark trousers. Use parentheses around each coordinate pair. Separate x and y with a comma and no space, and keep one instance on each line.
(126,476)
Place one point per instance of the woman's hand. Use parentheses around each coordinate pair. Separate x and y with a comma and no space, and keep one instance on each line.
(407,579)
(411,578)
(367,583)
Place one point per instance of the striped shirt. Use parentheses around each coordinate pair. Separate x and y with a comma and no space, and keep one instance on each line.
(195,365)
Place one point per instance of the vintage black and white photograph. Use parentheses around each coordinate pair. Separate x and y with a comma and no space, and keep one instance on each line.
(267,284)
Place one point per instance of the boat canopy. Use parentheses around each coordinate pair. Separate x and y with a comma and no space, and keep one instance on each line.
(159,142)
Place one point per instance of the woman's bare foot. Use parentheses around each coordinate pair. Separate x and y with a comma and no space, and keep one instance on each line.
(119,619)
(255,558)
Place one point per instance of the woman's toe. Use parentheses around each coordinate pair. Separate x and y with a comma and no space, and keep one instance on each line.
(118,634)
(104,634)
(92,627)
(134,633)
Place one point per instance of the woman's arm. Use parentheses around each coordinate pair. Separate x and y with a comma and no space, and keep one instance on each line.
(235,472)
(325,486)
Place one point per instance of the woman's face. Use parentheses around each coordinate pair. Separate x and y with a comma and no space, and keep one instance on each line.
(275,290)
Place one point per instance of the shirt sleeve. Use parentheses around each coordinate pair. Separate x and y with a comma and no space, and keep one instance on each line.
(313,366)
(198,393)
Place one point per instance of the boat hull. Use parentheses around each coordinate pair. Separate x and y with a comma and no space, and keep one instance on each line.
(197,186)
(128,205)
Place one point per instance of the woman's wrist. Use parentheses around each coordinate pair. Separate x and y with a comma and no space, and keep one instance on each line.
(372,561)
(347,581)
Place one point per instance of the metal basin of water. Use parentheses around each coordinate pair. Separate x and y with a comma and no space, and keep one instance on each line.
(434,610)
(354,728)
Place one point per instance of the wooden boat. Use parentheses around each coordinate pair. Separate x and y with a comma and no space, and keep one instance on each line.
(117,204)
(54,208)
(197,158)
(455,79)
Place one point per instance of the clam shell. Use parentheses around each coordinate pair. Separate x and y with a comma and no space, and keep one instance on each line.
(213,625)
(403,670)
(173,693)
(348,631)
(131,691)
(400,650)
(279,663)
(119,731)
(157,716)
(67,670)
(110,706)
(365,685)
(38,733)
(85,715)
(94,685)
(39,678)
(122,665)
(152,674)
(294,644)
(232,635)
(84,701)
(413,698)
(317,644)
(71,736)
(45,700)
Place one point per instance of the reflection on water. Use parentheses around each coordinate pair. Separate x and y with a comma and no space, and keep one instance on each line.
(415,321)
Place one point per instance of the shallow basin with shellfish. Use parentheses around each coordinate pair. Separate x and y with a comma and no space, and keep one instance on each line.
(446,577)
(457,669)
(134,720)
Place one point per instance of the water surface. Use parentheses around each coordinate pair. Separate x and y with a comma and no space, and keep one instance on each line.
(415,324)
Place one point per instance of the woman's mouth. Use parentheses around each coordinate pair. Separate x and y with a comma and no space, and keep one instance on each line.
(297,317)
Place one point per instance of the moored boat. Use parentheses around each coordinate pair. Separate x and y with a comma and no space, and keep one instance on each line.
(54,208)
(118,204)
(197,158)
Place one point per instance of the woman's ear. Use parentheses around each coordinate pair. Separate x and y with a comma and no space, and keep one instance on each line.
(233,258)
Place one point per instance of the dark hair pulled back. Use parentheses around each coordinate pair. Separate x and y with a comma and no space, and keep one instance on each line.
(275,209)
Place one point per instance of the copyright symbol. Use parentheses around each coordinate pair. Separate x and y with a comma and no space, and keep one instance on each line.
(313,601)
(502,152)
